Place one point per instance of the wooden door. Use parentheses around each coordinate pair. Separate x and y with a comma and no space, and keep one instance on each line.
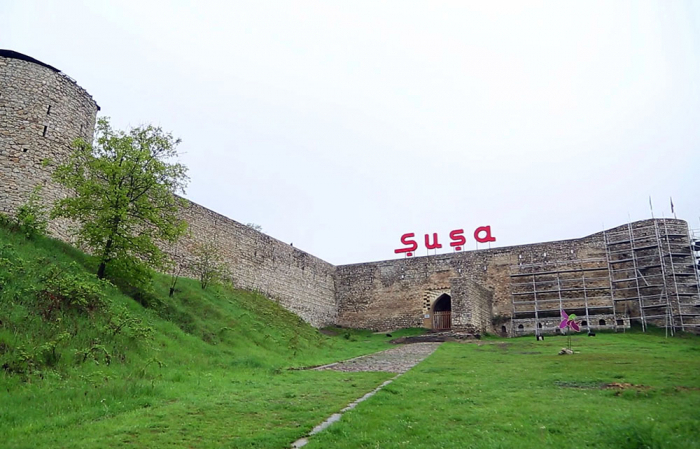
(442,320)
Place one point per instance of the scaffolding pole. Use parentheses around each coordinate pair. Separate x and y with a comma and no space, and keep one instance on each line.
(673,273)
(534,291)
(663,270)
(585,302)
(610,278)
(636,279)
(694,260)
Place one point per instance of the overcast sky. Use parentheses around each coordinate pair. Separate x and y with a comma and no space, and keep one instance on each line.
(341,126)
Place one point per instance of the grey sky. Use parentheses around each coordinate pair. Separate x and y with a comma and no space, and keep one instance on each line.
(341,126)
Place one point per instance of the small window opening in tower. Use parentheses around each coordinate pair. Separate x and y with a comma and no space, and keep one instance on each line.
(601,322)
(521,327)
(620,323)
(44,132)
(504,330)
(48,110)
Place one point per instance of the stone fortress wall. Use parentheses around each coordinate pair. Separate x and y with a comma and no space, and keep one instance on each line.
(42,111)
(643,271)
(512,290)
(390,294)
(300,282)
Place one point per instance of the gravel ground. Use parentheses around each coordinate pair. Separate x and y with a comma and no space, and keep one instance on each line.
(395,360)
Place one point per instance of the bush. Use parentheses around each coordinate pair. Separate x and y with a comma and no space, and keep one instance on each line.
(5,221)
(63,290)
(11,266)
(95,352)
(26,361)
(209,264)
(121,321)
(31,216)
(126,272)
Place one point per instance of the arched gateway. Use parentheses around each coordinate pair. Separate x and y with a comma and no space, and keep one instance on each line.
(442,312)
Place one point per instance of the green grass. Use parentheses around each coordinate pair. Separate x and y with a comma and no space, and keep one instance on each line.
(203,369)
(209,369)
(518,393)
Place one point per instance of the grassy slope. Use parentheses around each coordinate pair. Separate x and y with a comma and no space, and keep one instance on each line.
(212,373)
(519,393)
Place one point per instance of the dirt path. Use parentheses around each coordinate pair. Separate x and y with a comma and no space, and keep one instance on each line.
(395,360)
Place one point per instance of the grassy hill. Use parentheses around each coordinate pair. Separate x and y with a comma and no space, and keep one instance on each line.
(78,355)
(85,365)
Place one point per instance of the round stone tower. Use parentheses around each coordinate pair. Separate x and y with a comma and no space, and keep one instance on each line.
(42,111)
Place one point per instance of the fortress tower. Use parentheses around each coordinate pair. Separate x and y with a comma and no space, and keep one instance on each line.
(42,111)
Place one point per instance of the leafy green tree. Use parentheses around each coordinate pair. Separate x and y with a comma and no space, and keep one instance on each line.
(124,198)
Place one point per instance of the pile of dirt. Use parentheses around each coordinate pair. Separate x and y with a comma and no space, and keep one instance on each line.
(437,337)
(624,386)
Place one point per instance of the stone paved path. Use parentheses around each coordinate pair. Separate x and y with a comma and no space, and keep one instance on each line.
(395,360)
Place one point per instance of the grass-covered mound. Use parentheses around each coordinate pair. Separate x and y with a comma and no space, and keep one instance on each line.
(83,364)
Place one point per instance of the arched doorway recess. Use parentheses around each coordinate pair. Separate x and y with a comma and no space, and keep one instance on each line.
(442,312)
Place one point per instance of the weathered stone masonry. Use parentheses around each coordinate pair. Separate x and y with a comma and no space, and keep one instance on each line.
(300,282)
(391,294)
(644,270)
(42,111)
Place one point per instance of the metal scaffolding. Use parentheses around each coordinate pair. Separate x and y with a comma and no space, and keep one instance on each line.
(540,291)
(653,273)
(648,271)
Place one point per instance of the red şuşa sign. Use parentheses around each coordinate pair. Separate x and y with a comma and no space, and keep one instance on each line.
(482,234)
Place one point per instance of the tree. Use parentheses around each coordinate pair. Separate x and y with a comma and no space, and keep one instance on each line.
(124,199)
(174,277)
(208,264)
(254,226)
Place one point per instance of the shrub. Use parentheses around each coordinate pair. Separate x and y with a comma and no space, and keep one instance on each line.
(95,352)
(31,216)
(121,321)
(26,361)
(209,264)
(11,266)
(129,272)
(5,221)
(63,290)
